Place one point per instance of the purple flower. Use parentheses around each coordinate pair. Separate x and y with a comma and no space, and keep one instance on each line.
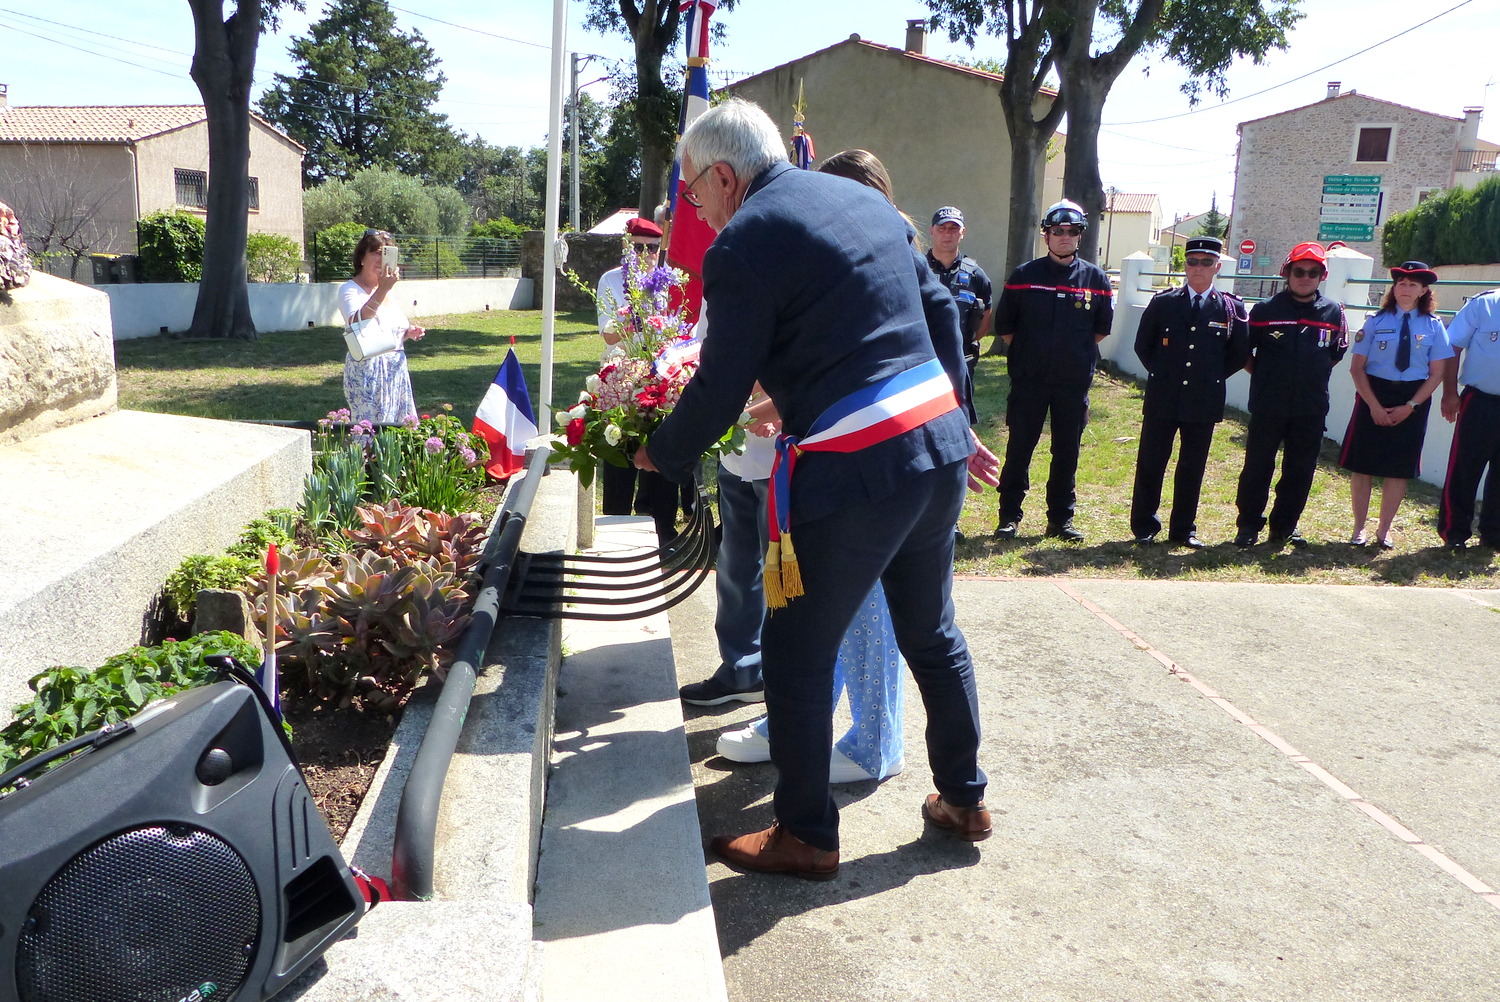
(467,455)
(366,427)
(658,280)
(433,445)
(410,421)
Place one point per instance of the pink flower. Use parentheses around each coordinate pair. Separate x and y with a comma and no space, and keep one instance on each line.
(657,322)
(410,421)
(467,455)
(433,445)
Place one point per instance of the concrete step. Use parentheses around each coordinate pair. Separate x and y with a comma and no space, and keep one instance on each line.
(622,903)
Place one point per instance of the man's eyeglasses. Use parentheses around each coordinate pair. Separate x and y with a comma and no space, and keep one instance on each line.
(1066,231)
(1307,272)
(687,192)
(1202,262)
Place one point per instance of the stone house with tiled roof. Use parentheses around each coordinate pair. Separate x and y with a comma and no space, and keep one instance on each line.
(937,126)
(119,163)
(1130,222)
(1339,168)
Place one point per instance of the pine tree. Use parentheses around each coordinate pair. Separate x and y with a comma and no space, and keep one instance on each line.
(1213,223)
(363,96)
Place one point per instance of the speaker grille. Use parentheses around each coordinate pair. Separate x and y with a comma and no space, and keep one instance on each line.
(147,915)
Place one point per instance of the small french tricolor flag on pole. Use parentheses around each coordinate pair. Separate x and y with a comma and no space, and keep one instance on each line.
(505,419)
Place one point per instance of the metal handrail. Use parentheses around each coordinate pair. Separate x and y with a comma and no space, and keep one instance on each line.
(414,850)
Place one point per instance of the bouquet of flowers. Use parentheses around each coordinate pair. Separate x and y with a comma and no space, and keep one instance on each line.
(639,379)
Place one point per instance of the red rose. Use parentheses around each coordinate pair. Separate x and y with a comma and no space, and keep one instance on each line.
(575,431)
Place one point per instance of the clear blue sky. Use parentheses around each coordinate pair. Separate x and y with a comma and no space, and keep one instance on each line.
(496,58)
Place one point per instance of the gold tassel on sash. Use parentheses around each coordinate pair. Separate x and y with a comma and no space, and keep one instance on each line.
(771,575)
(791,573)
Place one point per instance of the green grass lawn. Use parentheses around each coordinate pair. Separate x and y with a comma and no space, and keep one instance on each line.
(298,375)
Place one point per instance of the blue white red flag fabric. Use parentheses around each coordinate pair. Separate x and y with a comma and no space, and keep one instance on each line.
(873,414)
(690,236)
(505,419)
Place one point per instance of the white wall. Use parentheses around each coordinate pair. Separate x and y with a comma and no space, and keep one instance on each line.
(1343,264)
(153,308)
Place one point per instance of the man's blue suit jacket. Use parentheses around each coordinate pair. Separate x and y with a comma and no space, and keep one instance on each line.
(815,289)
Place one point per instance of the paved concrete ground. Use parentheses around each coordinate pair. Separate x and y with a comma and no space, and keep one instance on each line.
(1201,791)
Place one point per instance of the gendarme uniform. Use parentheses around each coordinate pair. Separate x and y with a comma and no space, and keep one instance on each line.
(1393,450)
(1189,352)
(1475,333)
(1295,346)
(1054,314)
(972,291)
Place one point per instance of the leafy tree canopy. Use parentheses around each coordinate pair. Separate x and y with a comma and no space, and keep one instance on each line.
(362,97)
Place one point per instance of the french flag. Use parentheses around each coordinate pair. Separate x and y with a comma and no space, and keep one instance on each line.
(505,419)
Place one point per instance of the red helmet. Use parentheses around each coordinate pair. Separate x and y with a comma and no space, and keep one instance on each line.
(1308,251)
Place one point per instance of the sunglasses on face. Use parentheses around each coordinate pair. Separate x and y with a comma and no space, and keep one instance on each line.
(1307,272)
(687,192)
(1201,262)
(640,248)
(1066,231)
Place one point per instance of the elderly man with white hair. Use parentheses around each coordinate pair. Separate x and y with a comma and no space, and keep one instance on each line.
(814,288)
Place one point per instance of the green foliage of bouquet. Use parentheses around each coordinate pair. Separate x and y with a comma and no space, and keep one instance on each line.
(639,380)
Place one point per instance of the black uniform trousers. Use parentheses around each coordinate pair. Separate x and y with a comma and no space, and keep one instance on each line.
(1157,436)
(658,496)
(1476,444)
(1302,436)
(1026,411)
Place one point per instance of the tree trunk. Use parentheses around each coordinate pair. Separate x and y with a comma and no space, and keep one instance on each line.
(1026,66)
(224,69)
(651,100)
(1081,180)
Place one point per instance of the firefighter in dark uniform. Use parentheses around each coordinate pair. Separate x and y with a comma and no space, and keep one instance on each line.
(1296,338)
(1052,315)
(961,276)
(1190,340)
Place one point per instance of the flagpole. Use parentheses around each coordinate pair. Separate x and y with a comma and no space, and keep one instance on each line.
(554,193)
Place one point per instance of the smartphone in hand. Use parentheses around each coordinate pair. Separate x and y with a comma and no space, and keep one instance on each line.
(389,257)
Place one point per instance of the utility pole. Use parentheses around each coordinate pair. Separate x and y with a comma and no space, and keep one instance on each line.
(573,214)
(1110,229)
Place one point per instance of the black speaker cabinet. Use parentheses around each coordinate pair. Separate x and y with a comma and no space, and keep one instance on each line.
(182,862)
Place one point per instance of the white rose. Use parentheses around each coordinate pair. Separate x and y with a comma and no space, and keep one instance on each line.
(578,412)
(612,434)
(584,396)
(561,417)
(592,383)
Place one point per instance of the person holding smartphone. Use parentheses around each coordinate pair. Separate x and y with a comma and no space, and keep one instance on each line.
(378,388)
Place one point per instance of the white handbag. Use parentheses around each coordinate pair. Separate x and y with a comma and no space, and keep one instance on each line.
(366,338)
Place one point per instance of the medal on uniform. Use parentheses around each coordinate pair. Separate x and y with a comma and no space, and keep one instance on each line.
(1494,335)
(1381,344)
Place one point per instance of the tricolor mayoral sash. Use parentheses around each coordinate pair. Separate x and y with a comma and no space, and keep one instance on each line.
(875,413)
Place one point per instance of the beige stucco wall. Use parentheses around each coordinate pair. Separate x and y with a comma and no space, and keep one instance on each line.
(939,131)
(36,179)
(1283,160)
(273,159)
(1123,233)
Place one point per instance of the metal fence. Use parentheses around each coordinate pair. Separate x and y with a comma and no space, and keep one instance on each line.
(1271,284)
(428,256)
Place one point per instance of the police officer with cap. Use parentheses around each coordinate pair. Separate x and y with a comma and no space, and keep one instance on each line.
(1474,334)
(1191,340)
(1052,315)
(961,276)
(1296,338)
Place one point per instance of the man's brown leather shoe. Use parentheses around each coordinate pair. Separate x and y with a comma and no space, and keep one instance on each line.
(972,824)
(777,850)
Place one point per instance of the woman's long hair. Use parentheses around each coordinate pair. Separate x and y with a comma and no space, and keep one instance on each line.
(866,168)
(1426,302)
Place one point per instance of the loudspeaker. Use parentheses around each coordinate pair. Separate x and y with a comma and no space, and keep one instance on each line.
(177,859)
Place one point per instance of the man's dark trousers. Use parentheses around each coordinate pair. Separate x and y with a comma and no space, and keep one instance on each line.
(737,580)
(1302,435)
(1151,459)
(904,540)
(1026,412)
(1476,443)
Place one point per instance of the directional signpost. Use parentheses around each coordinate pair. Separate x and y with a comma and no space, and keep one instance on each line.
(1351,207)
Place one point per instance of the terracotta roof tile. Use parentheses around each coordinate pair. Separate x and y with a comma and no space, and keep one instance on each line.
(1124,202)
(99,123)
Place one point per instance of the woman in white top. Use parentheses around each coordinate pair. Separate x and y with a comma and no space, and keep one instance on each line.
(378,388)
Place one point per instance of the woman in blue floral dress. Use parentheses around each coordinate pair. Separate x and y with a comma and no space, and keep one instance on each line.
(378,388)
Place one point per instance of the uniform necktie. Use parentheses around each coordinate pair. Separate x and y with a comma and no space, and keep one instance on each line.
(1403,350)
(1197,305)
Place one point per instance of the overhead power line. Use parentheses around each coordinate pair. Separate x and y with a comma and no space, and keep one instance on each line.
(1284,83)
